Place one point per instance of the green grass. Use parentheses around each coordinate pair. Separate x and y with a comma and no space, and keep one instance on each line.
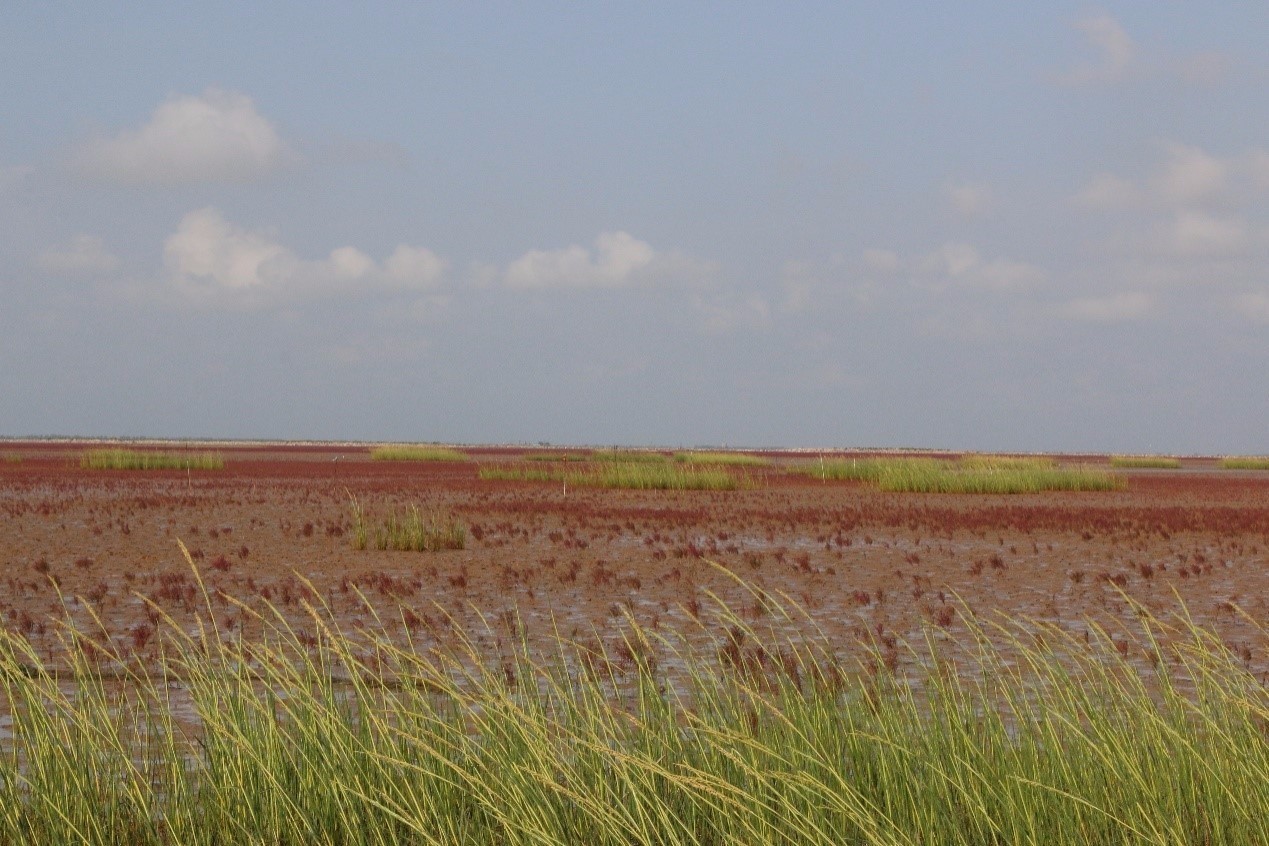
(11,458)
(738,459)
(974,474)
(1245,462)
(628,456)
(634,476)
(1041,736)
(415,452)
(1145,462)
(133,459)
(554,456)
(408,532)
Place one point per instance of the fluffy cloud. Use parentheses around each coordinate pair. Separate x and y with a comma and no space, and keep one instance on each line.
(1126,305)
(1197,233)
(1190,175)
(967,198)
(1254,306)
(84,254)
(617,259)
(1114,49)
(209,256)
(1108,191)
(216,136)
(721,313)
(960,265)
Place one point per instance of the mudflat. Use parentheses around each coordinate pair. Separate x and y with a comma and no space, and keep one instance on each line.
(275,528)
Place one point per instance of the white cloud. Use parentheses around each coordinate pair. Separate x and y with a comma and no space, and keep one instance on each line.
(959,264)
(1196,233)
(415,266)
(1108,191)
(884,261)
(1114,49)
(1184,177)
(1126,305)
(84,254)
(216,136)
(968,198)
(617,260)
(956,266)
(724,313)
(210,251)
(209,256)
(1190,175)
(1254,306)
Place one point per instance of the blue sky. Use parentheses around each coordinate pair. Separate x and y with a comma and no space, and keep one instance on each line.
(991,226)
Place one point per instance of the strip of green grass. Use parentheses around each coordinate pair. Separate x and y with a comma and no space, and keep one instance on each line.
(408,452)
(133,459)
(972,474)
(1145,462)
(1042,737)
(731,459)
(628,456)
(554,456)
(1245,462)
(636,476)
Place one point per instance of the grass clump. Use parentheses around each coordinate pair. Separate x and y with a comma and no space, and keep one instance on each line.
(328,736)
(135,459)
(1245,462)
(974,474)
(416,452)
(628,456)
(554,456)
(1145,462)
(11,458)
(634,476)
(408,532)
(730,459)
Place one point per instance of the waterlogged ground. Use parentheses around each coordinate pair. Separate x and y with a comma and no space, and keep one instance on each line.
(275,529)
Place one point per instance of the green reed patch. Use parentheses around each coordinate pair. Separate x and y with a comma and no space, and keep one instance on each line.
(1145,462)
(1245,462)
(416,452)
(135,459)
(730,459)
(554,456)
(326,735)
(974,474)
(637,476)
(410,531)
(628,456)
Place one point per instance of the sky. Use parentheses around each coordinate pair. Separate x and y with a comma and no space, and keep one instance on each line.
(985,226)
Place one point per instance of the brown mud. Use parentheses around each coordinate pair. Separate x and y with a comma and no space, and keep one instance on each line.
(275,526)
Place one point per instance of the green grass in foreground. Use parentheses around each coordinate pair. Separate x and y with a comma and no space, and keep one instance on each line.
(134,459)
(635,476)
(1245,462)
(409,452)
(766,737)
(738,459)
(410,532)
(1145,462)
(981,474)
